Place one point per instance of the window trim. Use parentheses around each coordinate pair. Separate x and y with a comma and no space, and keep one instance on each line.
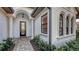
(62,24)
(67,33)
(44,15)
(72,24)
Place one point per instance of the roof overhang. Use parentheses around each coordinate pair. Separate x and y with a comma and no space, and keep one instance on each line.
(77,10)
(36,11)
(8,10)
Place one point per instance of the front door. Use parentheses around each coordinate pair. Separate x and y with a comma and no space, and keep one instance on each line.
(22,28)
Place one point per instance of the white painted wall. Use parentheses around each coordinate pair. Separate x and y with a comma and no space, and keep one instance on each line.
(56,39)
(16,26)
(44,37)
(60,40)
(3,26)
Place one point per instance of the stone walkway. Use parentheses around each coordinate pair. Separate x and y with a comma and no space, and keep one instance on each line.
(23,44)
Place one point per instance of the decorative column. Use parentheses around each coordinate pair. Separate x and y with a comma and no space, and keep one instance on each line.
(70,25)
(33,29)
(64,25)
(10,26)
(74,25)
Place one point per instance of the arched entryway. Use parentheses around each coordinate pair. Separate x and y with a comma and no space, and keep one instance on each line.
(22,24)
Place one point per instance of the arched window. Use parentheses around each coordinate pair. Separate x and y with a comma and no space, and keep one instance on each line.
(67,25)
(61,25)
(72,24)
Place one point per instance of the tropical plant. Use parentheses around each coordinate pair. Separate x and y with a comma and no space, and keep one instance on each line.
(70,46)
(43,46)
(6,45)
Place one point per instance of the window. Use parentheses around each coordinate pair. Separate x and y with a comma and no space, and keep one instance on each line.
(61,25)
(72,25)
(44,23)
(67,25)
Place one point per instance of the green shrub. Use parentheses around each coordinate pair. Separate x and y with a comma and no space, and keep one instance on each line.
(6,45)
(70,46)
(77,33)
(43,45)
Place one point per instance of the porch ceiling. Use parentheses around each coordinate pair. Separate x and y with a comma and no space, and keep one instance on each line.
(36,11)
(8,10)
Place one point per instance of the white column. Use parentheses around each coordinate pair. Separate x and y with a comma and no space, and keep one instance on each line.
(10,26)
(74,25)
(33,29)
(64,25)
(70,25)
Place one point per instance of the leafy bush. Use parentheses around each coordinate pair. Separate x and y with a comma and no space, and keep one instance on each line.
(77,33)
(6,45)
(43,45)
(70,46)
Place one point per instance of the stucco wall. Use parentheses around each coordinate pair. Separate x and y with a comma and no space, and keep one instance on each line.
(60,40)
(56,39)
(16,26)
(3,26)
(44,37)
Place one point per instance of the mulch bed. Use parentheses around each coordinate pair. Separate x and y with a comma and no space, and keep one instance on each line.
(36,48)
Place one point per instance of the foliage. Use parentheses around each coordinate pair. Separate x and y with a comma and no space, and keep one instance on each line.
(77,33)
(6,45)
(70,46)
(43,45)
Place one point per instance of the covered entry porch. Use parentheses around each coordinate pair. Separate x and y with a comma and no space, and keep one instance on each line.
(22,24)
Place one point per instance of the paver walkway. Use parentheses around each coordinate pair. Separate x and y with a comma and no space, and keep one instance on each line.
(23,44)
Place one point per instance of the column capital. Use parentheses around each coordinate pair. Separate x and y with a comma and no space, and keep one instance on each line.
(32,18)
(10,15)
